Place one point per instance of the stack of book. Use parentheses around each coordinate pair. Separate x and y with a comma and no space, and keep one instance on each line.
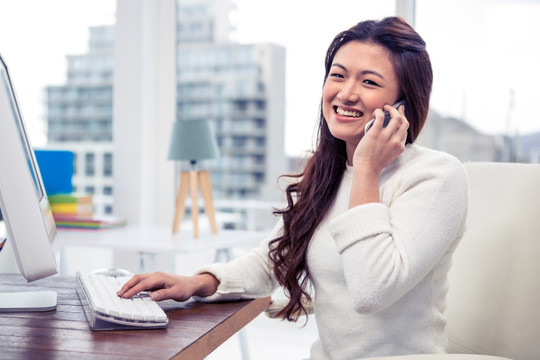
(89,223)
(76,211)
(72,205)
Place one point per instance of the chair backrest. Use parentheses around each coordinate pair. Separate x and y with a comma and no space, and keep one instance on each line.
(494,296)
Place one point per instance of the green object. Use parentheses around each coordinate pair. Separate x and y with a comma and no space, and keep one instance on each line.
(192,140)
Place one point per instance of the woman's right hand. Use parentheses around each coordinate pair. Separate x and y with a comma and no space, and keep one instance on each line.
(170,286)
(381,145)
(378,148)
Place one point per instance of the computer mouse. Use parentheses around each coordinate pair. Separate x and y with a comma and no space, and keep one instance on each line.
(113,272)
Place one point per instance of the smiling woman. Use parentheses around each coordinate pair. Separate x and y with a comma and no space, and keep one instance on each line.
(361,80)
(370,225)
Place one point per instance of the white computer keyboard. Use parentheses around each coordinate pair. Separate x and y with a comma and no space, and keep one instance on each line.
(104,305)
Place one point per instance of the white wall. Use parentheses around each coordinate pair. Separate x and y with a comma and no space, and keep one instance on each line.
(144,110)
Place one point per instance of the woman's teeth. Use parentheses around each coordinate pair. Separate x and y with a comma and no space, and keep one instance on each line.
(350,113)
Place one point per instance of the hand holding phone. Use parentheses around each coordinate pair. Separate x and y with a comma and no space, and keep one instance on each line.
(387,117)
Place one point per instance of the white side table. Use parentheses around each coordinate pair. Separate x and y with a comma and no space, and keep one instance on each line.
(151,241)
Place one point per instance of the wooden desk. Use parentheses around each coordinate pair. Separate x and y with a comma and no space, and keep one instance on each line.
(194,331)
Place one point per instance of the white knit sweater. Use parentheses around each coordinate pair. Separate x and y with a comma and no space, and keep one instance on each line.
(378,270)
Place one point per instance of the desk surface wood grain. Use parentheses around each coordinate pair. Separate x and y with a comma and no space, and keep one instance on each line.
(194,330)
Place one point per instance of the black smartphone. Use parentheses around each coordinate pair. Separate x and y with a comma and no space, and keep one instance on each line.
(387,116)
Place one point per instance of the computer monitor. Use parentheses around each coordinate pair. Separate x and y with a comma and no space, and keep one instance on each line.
(24,205)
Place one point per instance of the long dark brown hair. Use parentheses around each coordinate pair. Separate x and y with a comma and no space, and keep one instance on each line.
(312,193)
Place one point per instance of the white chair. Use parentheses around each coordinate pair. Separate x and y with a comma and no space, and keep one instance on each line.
(494,296)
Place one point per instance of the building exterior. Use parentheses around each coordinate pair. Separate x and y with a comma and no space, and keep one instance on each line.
(239,88)
(461,140)
(79,117)
(242,95)
(81,110)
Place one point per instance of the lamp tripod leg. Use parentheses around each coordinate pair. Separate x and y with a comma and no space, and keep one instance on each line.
(181,196)
(194,187)
(206,192)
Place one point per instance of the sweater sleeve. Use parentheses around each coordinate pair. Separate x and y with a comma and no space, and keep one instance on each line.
(249,276)
(387,248)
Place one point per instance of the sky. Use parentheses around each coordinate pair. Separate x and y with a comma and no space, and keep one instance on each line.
(485,53)
(35,37)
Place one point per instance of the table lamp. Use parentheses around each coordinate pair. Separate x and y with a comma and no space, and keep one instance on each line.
(193,141)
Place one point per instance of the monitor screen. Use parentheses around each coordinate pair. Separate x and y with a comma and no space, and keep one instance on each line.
(23,201)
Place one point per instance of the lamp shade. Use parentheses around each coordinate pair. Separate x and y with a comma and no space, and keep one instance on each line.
(192,140)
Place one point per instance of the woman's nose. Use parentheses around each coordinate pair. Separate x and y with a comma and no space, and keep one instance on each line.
(348,93)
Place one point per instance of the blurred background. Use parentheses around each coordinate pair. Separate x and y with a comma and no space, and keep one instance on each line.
(106,80)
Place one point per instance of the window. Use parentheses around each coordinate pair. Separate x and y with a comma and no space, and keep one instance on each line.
(74,164)
(241,124)
(90,166)
(239,141)
(260,123)
(260,141)
(240,105)
(107,165)
(261,105)
(485,67)
(259,159)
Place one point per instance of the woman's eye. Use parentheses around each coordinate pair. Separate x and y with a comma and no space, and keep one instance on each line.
(337,75)
(370,82)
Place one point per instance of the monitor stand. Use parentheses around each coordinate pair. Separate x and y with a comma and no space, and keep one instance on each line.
(22,301)
(28,301)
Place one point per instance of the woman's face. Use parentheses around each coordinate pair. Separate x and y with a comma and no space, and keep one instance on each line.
(361,79)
